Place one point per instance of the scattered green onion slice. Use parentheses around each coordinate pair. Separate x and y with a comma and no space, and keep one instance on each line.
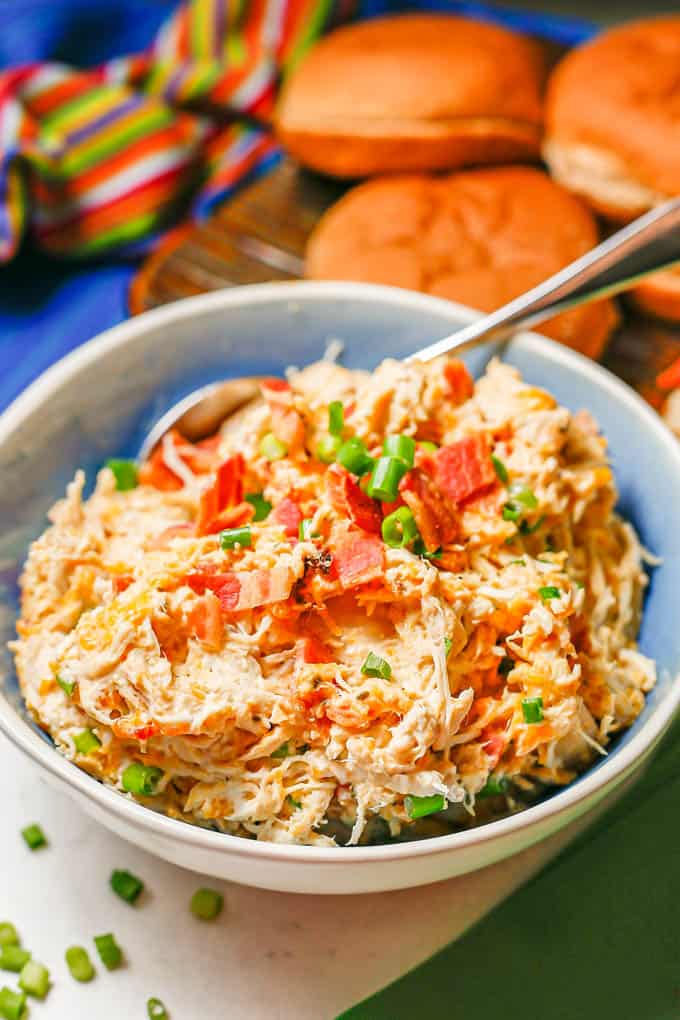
(305,529)
(327,449)
(263,507)
(506,665)
(35,979)
(141,779)
(494,787)
(511,512)
(34,837)
(125,473)
(419,807)
(86,742)
(125,885)
(532,709)
(231,537)
(420,550)
(282,752)
(448,645)
(549,592)
(354,456)
(336,418)
(528,529)
(387,474)
(399,528)
(500,469)
(109,951)
(293,802)
(155,1010)
(272,448)
(520,494)
(427,446)
(206,904)
(14,958)
(79,963)
(403,447)
(12,1004)
(67,686)
(9,936)
(375,666)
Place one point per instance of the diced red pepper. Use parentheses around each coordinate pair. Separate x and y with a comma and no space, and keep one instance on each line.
(146,732)
(669,379)
(460,382)
(494,741)
(464,468)
(288,514)
(351,501)
(358,559)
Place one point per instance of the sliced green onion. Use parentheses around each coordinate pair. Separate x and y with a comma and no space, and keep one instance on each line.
(532,709)
(35,979)
(387,474)
(506,665)
(403,447)
(142,779)
(293,802)
(549,592)
(511,512)
(231,537)
(522,563)
(427,446)
(419,549)
(206,904)
(522,495)
(328,447)
(272,448)
(528,529)
(500,469)
(109,951)
(79,963)
(12,1004)
(67,686)
(494,787)
(354,456)
(419,807)
(305,530)
(125,473)
(9,936)
(14,958)
(448,645)
(375,666)
(283,751)
(127,886)
(399,528)
(86,742)
(336,418)
(34,837)
(263,507)
(155,1010)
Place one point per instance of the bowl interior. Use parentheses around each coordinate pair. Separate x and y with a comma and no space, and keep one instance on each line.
(101,401)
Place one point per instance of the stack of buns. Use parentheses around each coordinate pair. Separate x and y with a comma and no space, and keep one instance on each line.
(411,95)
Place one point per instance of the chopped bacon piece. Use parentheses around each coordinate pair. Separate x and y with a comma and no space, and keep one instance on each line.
(146,732)
(464,469)
(122,582)
(274,385)
(358,559)
(494,741)
(205,621)
(436,523)
(245,589)
(288,515)
(155,472)
(226,490)
(200,458)
(313,650)
(349,499)
(174,531)
(232,517)
(669,379)
(460,382)
(287,425)
(226,587)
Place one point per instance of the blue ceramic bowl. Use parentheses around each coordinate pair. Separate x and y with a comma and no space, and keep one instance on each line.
(99,402)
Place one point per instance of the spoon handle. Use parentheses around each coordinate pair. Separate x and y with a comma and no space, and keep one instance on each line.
(648,244)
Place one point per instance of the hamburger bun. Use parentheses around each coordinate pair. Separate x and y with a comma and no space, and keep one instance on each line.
(612,129)
(481,237)
(413,92)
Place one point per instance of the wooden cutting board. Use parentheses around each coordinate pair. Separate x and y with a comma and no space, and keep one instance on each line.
(260,235)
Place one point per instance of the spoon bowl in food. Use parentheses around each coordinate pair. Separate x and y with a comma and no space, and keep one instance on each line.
(100,401)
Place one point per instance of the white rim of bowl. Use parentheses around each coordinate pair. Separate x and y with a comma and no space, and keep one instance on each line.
(27,740)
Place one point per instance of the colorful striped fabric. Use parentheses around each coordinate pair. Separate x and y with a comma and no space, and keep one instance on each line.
(107,159)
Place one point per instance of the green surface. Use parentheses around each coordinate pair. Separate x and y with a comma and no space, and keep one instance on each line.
(595,935)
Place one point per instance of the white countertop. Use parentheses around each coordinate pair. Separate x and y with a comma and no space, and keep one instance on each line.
(270,956)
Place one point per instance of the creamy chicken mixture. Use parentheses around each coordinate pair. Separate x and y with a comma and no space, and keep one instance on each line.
(372,599)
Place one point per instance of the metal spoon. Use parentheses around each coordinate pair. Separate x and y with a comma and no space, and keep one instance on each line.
(645,246)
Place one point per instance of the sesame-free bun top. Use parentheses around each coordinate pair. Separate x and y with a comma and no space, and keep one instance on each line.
(481,237)
(413,92)
(613,117)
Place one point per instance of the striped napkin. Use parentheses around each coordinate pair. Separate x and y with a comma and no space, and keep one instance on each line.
(106,159)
